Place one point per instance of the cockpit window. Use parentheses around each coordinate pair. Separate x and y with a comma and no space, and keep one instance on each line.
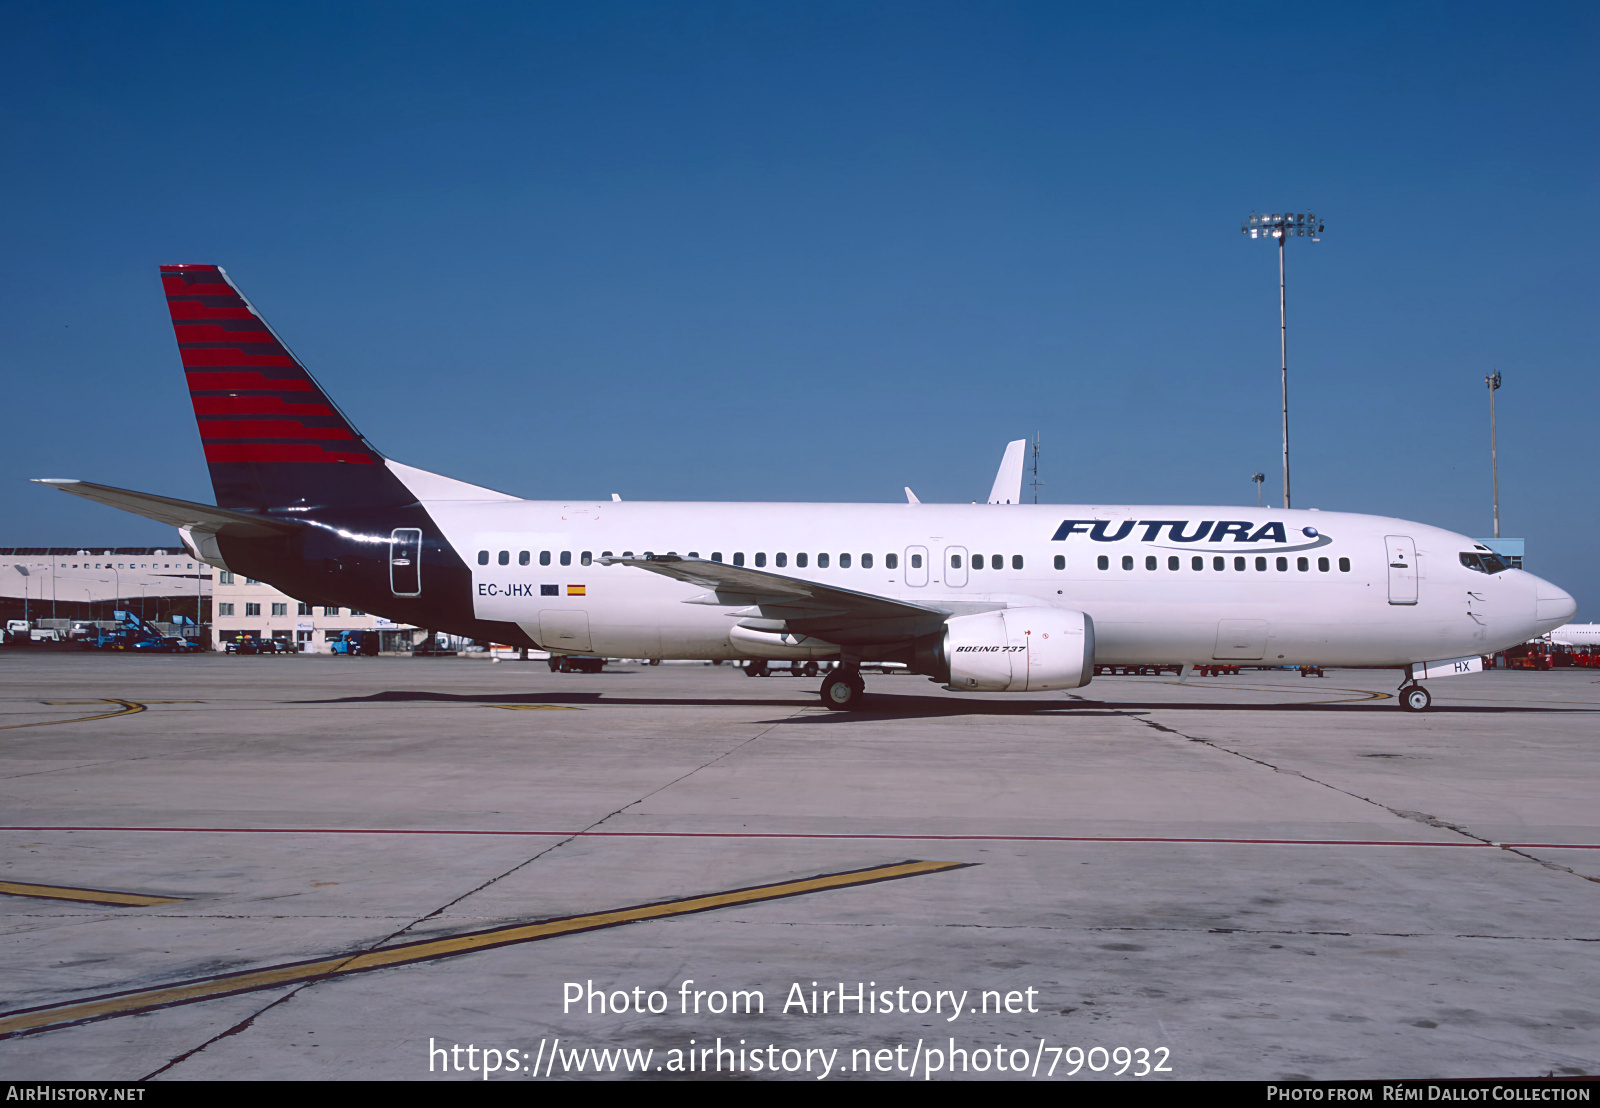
(1482,561)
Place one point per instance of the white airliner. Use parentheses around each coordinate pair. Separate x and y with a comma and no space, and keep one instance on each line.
(994,597)
(1576,634)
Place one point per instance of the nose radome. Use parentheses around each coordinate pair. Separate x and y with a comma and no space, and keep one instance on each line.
(1552,606)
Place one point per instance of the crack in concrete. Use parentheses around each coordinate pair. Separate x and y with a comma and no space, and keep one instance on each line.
(1415,817)
(248,1021)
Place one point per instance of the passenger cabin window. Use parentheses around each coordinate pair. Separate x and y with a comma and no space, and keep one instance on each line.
(1219,563)
(780,559)
(1016,561)
(1238,564)
(916,561)
(544,557)
(1197,562)
(822,561)
(1061,561)
(1149,561)
(738,558)
(566,557)
(800,561)
(997,561)
(716,555)
(866,561)
(1283,565)
(523,558)
(977,561)
(1322,565)
(955,561)
(844,561)
(504,558)
(1103,562)
(1302,564)
(1261,565)
(1344,565)
(1127,561)
(1172,561)
(891,561)
(761,559)
(586,558)
(483,560)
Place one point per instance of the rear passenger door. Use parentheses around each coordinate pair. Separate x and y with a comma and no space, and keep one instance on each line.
(405,561)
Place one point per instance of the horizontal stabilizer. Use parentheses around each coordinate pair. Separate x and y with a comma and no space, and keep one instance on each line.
(177,513)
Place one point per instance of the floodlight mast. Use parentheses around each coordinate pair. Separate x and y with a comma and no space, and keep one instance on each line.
(1493,381)
(1281,227)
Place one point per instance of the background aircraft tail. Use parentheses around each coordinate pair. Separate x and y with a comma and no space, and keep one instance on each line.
(272,436)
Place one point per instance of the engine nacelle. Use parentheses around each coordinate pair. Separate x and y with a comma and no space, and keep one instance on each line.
(1020,650)
(752,643)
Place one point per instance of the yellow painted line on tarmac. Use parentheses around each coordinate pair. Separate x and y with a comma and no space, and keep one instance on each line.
(87,896)
(25,1020)
(535,707)
(1365,694)
(125,708)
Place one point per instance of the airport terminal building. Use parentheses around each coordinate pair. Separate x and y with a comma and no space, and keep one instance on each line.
(246,608)
(67,582)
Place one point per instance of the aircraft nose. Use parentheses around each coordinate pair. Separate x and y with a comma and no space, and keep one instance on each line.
(1552,606)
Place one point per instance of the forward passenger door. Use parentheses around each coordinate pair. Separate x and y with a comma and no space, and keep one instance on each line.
(1402,552)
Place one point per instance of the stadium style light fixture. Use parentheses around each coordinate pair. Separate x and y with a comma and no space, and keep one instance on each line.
(1283,226)
(1493,381)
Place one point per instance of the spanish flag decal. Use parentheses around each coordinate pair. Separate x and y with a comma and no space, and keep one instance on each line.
(576,590)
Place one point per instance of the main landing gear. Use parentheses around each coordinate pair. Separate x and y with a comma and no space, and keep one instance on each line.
(843,690)
(1414,698)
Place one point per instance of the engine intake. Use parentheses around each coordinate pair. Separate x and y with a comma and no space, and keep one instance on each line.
(1020,650)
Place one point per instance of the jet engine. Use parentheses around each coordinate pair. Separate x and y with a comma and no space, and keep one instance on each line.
(1020,650)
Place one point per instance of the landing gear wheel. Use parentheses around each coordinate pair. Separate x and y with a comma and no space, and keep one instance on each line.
(1415,698)
(809,669)
(555,664)
(755,669)
(843,692)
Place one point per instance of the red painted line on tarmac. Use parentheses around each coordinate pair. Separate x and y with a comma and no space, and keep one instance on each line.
(802,835)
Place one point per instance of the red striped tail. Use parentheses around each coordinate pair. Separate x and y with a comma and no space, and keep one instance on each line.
(263,419)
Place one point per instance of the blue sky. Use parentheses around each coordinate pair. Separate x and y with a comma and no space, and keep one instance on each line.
(818,251)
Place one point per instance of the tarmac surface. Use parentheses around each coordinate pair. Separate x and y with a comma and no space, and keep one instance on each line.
(322,868)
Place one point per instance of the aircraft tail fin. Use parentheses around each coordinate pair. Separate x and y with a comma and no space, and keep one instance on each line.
(272,436)
(1008,481)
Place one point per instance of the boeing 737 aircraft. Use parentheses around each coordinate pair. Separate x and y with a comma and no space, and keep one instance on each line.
(995,597)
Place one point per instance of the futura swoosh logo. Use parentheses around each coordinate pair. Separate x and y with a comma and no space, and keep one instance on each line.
(1321,540)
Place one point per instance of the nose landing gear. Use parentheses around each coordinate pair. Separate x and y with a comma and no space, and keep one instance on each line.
(1414,698)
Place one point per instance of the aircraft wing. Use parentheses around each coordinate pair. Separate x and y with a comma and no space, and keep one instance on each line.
(177,513)
(805,607)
